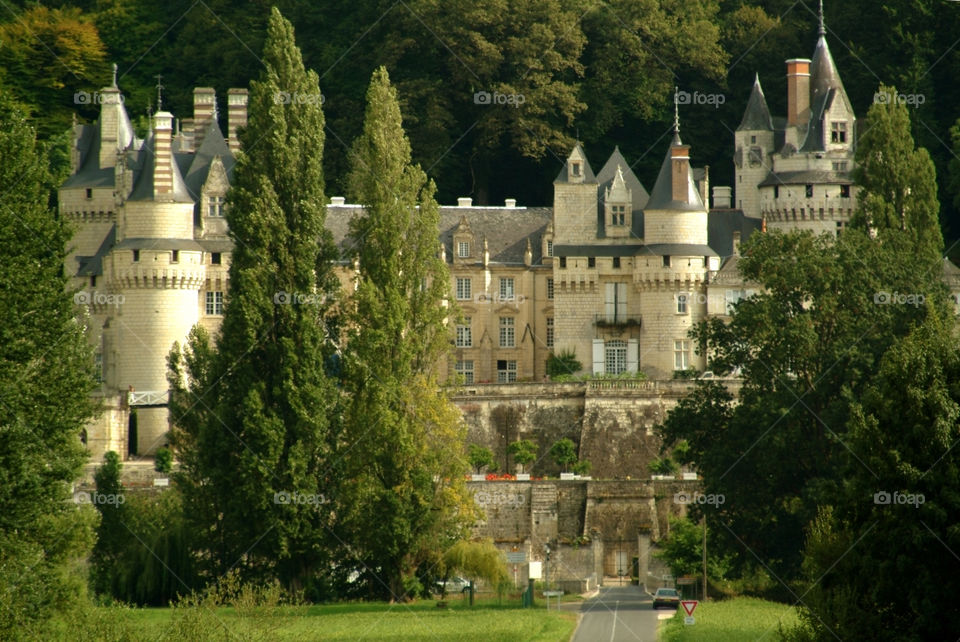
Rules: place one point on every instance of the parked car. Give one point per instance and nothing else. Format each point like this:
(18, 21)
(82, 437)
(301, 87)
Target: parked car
(666, 597)
(453, 585)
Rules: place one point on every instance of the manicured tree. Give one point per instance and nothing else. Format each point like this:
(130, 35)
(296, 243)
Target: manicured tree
(259, 412)
(111, 533)
(404, 474)
(524, 452)
(564, 453)
(46, 377)
(480, 457)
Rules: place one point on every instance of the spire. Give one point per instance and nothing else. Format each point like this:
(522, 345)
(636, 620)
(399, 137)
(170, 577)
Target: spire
(757, 114)
(676, 116)
(114, 83)
(823, 29)
(159, 93)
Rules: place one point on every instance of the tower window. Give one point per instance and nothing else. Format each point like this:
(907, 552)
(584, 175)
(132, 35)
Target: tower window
(616, 262)
(549, 332)
(753, 140)
(216, 258)
(136, 255)
(563, 261)
(681, 304)
(89, 193)
(666, 260)
(550, 288)
(809, 191)
(549, 248)
(844, 191)
(591, 262)
(93, 280)
(776, 191)
(838, 132)
(175, 256)
(575, 169)
(214, 302)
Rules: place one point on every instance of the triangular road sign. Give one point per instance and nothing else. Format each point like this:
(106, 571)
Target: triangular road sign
(689, 606)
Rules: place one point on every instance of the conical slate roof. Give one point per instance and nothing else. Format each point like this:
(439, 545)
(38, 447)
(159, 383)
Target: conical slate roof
(757, 114)
(661, 198)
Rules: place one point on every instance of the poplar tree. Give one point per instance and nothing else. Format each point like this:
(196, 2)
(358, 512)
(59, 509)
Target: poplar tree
(254, 416)
(404, 478)
(46, 377)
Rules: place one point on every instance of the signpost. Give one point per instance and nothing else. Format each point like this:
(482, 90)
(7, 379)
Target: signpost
(689, 606)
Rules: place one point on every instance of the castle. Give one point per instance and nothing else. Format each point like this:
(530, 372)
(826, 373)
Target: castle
(611, 272)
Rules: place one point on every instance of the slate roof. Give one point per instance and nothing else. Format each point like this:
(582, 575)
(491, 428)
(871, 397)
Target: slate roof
(757, 114)
(637, 191)
(506, 230)
(806, 177)
(90, 174)
(661, 198)
(825, 88)
(588, 175)
(721, 224)
(143, 188)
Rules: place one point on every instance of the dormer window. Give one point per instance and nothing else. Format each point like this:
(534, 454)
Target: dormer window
(618, 214)
(463, 249)
(215, 206)
(838, 132)
(575, 169)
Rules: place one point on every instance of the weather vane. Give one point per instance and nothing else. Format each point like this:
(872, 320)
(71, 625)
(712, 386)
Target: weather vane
(159, 77)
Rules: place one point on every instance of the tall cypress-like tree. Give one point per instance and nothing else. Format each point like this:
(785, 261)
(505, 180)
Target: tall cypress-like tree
(405, 472)
(258, 412)
(46, 377)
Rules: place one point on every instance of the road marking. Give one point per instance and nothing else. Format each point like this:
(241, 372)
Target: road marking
(613, 631)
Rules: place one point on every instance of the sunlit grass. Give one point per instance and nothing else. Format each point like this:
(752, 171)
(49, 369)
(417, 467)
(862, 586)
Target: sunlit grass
(734, 620)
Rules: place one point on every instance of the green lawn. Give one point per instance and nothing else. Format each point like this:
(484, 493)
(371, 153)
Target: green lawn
(736, 620)
(361, 621)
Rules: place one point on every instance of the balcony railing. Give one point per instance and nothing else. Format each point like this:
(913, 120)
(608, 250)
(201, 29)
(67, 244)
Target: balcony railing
(148, 398)
(616, 321)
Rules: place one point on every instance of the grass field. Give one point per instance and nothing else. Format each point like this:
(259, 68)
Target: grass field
(737, 620)
(421, 620)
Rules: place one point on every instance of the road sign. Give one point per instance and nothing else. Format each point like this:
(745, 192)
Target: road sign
(536, 570)
(689, 606)
(516, 558)
(689, 620)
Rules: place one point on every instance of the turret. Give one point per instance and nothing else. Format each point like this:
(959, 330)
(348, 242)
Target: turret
(754, 143)
(575, 200)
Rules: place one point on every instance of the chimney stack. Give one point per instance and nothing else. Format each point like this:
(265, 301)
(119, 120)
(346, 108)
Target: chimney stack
(464, 201)
(204, 112)
(722, 197)
(680, 164)
(798, 91)
(236, 116)
(162, 155)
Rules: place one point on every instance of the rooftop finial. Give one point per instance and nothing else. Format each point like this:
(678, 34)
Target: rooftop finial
(823, 28)
(159, 92)
(676, 110)
(114, 75)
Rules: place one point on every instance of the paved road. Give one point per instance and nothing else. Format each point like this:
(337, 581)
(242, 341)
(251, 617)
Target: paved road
(619, 614)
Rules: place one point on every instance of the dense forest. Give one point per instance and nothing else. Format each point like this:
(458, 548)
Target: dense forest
(603, 71)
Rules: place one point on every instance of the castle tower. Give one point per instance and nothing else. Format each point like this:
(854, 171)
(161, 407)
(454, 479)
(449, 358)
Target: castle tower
(807, 184)
(670, 274)
(754, 145)
(575, 200)
(157, 271)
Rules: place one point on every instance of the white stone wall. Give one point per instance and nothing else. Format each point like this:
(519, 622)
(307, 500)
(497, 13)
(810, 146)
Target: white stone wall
(748, 177)
(574, 213)
(146, 219)
(670, 226)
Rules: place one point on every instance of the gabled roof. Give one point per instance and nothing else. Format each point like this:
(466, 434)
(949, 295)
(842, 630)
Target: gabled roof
(213, 145)
(588, 175)
(757, 114)
(638, 192)
(661, 198)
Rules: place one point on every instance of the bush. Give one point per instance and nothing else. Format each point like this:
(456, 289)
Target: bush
(163, 462)
(563, 364)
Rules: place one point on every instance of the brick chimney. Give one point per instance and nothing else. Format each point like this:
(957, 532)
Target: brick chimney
(680, 166)
(162, 155)
(798, 91)
(236, 116)
(204, 111)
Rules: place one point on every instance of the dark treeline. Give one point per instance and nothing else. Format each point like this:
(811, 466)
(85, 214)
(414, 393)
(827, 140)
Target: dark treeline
(601, 70)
